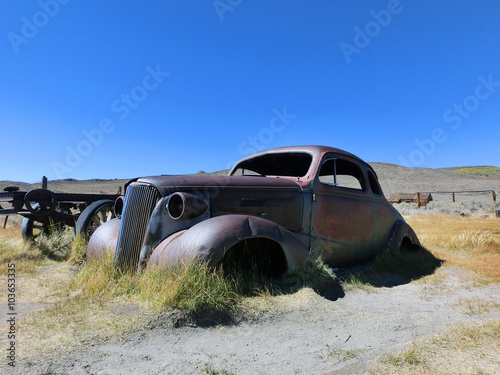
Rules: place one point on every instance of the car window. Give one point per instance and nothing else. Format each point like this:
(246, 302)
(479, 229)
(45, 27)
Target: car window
(374, 185)
(341, 173)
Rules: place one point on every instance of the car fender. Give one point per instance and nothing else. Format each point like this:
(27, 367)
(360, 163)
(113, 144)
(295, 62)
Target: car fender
(209, 240)
(401, 230)
(104, 239)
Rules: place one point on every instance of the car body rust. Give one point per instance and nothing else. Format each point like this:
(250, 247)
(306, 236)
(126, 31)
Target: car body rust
(299, 201)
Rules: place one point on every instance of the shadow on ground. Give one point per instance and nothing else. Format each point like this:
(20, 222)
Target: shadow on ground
(393, 269)
(387, 270)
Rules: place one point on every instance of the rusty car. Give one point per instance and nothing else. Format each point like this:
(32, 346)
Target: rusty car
(282, 205)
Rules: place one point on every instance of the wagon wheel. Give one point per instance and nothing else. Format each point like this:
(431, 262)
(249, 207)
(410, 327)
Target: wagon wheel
(94, 216)
(32, 229)
(46, 201)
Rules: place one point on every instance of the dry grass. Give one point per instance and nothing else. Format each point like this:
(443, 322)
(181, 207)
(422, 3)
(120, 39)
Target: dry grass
(83, 303)
(471, 244)
(27, 256)
(477, 306)
(467, 349)
(466, 242)
(341, 354)
(13, 250)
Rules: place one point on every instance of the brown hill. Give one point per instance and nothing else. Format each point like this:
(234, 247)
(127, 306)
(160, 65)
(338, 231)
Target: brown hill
(393, 179)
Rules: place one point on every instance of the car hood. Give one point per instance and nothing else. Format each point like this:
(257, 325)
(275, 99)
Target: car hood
(170, 184)
(276, 199)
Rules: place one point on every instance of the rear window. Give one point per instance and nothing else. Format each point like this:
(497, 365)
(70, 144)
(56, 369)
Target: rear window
(374, 185)
(342, 173)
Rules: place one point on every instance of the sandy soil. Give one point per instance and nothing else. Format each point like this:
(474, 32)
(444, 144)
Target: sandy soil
(304, 333)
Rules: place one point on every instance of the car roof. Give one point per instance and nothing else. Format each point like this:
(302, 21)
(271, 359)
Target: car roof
(316, 151)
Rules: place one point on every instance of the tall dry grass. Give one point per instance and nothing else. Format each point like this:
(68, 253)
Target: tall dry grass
(189, 287)
(466, 242)
(467, 349)
(27, 256)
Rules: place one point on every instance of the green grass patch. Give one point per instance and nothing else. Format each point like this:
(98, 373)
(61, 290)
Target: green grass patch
(479, 171)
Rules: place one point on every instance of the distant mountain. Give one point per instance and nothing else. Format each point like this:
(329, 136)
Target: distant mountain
(393, 178)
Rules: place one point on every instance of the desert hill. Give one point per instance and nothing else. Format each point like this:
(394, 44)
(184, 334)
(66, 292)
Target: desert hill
(393, 178)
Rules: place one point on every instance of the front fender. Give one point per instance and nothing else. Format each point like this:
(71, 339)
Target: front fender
(209, 240)
(104, 239)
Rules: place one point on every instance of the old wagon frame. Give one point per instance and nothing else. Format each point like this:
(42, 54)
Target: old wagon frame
(45, 211)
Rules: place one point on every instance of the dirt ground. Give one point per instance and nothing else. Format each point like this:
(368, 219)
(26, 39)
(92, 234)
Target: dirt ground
(344, 332)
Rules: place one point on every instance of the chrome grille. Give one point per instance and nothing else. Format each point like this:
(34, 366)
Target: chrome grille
(140, 200)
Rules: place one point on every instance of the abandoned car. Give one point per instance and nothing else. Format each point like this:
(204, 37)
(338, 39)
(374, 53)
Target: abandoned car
(282, 205)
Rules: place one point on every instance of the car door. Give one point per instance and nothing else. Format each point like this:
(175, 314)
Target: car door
(342, 212)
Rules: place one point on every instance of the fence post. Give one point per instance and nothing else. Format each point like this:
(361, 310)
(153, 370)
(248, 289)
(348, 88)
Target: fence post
(418, 200)
(494, 196)
(453, 197)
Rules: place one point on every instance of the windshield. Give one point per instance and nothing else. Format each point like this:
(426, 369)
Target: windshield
(290, 164)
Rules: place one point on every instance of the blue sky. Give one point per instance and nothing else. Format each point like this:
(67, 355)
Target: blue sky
(118, 89)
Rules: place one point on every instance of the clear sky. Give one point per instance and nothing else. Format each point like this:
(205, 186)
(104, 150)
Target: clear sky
(119, 89)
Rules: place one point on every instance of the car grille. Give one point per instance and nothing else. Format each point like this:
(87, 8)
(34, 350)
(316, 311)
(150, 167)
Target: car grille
(140, 200)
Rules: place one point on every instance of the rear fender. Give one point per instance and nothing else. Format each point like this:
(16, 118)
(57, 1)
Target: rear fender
(209, 240)
(401, 234)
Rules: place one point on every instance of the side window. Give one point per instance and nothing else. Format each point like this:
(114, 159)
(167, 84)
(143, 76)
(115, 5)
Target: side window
(342, 173)
(374, 185)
